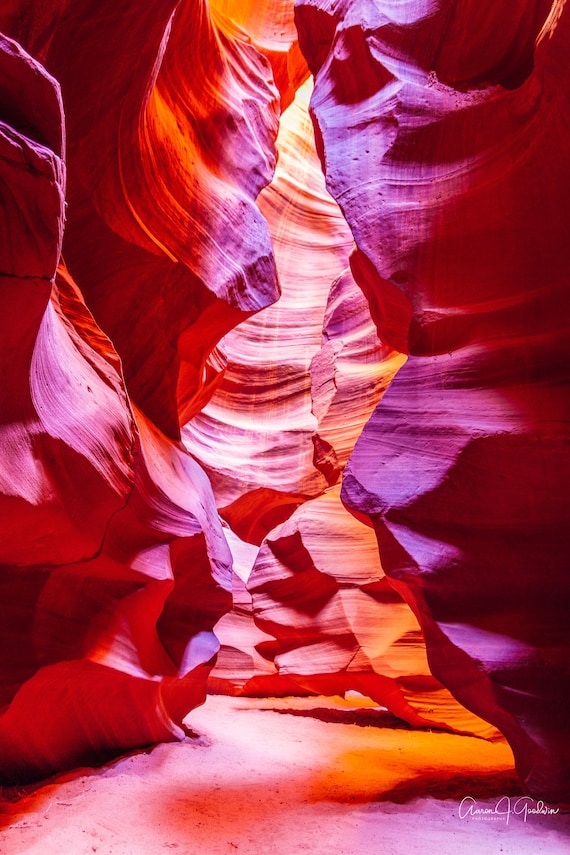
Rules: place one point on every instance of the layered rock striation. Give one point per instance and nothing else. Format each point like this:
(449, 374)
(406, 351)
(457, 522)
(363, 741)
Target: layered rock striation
(115, 568)
(443, 136)
(149, 383)
(170, 124)
(303, 377)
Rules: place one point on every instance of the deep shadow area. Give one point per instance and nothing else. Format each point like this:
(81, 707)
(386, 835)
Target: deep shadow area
(359, 717)
(484, 785)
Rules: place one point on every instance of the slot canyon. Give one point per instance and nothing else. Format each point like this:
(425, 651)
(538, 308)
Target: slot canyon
(284, 418)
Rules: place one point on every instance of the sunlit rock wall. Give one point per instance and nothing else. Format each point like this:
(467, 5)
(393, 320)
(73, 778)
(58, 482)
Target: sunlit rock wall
(274, 432)
(270, 26)
(302, 378)
(443, 133)
(170, 128)
(140, 261)
(115, 567)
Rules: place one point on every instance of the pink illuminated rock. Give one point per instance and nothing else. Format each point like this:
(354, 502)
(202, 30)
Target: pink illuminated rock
(443, 134)
(328, 369)
(349, 373)
(47, 518)
(166, 154)
(114, 565)
(113, 652)
(258, 429)
(271, 28)
(318, 589)
(244, 665)
(302, 375)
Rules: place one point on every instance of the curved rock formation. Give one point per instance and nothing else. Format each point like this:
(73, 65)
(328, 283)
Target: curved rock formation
(302, 375)
(318, 588)
(115, 650)
(271, 28)
(441, 129)
(244, 665)
(114, 565)
(171, 125)
(443, 134)
(321, 626)
(259, 427)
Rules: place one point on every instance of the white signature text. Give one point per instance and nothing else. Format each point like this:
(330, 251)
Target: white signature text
(506, 807)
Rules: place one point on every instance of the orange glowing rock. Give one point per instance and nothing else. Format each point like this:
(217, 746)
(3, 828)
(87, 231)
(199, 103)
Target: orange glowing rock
(271, 28)
(166, 154)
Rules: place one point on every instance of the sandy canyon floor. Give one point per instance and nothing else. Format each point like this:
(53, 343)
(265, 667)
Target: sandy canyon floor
(289, 776)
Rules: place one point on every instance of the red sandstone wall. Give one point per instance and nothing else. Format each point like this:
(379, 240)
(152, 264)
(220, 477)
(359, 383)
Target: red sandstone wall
(443, 135)
(142, 152)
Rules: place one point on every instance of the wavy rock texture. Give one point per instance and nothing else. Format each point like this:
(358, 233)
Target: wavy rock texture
(327, 621)
(441, 129)
(244, 665)
(115, 650)
(271, 28)
(443, 133)
(320, 629)
(318, 588)
(114, 564)
(302, 375)
(259, 426)
(171, 124)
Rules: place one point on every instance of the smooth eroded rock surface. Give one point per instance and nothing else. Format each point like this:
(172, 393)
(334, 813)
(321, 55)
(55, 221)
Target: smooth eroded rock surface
(153, 204)
(114, 565)
(443, 136)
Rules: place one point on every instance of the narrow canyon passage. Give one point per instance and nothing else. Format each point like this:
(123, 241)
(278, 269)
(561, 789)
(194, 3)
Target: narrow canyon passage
(284, 418)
